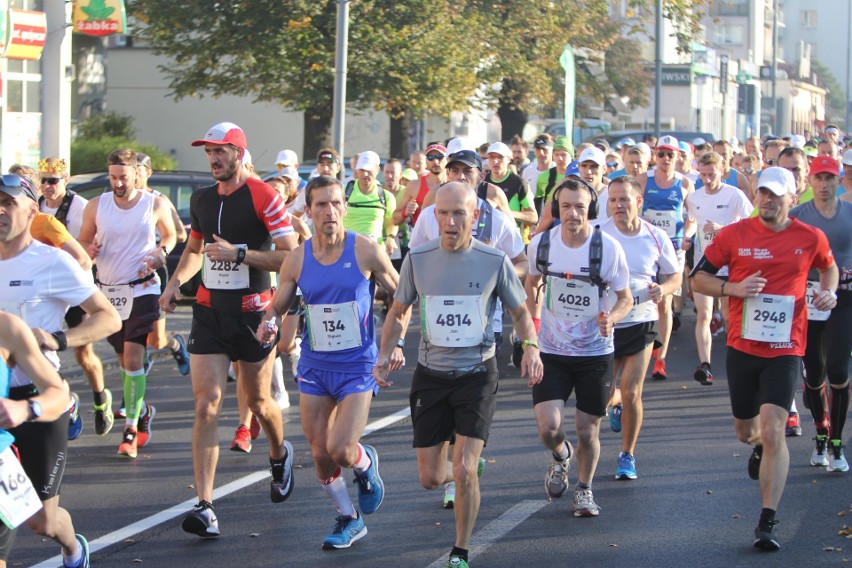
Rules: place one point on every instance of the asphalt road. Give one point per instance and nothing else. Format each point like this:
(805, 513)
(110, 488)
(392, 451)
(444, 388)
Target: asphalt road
(693, 503)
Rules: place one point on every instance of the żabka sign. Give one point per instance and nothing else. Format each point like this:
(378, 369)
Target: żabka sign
(27, 34)
(100, 17)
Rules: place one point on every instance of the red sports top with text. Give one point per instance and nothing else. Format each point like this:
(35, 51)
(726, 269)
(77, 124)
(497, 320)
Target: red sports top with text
(783, 258)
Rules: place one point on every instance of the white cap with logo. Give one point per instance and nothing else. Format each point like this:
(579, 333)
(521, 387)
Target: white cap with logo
(777, 180)
(592, 154)
(286, 158)
(368, 160)
(500, 148)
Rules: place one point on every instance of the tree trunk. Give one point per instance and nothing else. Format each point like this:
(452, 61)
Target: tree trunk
(512, 119)
(317, 131)
(400, 134)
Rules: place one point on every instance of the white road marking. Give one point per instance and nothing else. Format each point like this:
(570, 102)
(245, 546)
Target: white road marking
(181, 508)
(498, 528)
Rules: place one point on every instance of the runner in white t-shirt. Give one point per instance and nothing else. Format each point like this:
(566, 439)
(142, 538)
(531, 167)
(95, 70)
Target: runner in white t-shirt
(654, 273)
(709, 209)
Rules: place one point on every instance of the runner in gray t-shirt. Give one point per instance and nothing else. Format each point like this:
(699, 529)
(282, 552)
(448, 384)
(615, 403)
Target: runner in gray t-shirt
(453, 391)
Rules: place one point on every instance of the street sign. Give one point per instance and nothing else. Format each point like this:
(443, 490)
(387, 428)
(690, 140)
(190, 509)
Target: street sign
(723, 74)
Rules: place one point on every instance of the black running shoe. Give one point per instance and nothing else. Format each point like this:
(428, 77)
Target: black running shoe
(765, 537)
(282, 476)
(703, 375)
(201, 521)
(754, 462)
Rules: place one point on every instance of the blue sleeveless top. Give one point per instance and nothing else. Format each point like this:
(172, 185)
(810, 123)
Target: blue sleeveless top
(338, 283)
(6, 438)
(670, 199)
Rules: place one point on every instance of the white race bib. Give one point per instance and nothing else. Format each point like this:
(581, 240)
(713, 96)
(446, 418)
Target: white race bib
(454, 321)
(573, 300)
(768, 318)
(121, 298)
(814, 314)
(18, 498)
(642, 303)
(665, 220)
(221, 275)
(333, 327)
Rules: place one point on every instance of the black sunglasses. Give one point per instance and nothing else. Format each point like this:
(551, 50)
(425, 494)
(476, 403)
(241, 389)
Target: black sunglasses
(771, 162)
(662, 154)
(12, 180)
(434, 157)
(50, 181)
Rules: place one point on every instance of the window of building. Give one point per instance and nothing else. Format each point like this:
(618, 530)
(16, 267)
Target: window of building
(731, 34)
(809, 18)
(729, 8)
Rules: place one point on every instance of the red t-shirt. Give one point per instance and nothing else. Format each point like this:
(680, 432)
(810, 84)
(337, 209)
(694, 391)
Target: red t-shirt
(784, 259)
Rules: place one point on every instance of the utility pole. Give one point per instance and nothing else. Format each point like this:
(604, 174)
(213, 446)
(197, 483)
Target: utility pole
(658, 87)
(775, 67)
(340, 58)
(848, 62)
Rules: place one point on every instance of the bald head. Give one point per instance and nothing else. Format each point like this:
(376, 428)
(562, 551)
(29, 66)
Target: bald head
(457, 191)
(456, 210)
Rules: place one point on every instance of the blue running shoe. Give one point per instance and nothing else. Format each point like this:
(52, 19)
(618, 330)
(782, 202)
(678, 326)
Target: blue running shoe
(181, 355)
(346, 531)
(371, 489)
(615, 417)
(75, 423)
(84, 544)
(626, 466)
(147, 361)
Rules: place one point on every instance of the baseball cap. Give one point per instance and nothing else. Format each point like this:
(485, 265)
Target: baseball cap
(408, 174)
(17, 186)
(500, 148)
(797, 141)
(368, 160)
(542, 141)
(144, 160)
(669, 142)
(247, 158)
(847, 158)
(562, 143)
(810, 151)
(592, 154)
(685, 147)
(466, 157)
(832, 130)
(825, 164)
(573, 169)
(437, 148)
(777, 180)
(696, 141)
(625, 142)
(290, 172)
(645, 148)
(224, 133)
(325, 155)
(286, 158)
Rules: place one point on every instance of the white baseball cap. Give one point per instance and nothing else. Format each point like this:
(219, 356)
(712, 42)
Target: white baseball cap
(777, 180)
(500, 148)
(290, 172)
(669, 142)
(457, 145)
(645, 148)
(847, 158)
(247, 158)
(592, 154)
(287, 158)
(368, 160)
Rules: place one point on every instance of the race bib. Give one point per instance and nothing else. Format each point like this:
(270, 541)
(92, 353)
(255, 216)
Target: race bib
(573, 300)
(454, 321)
(814, 314)
(642, 304)
(18, 498)
(222, 275)
(333, 327)
(665, 220)
(768, 318)
(121, 298)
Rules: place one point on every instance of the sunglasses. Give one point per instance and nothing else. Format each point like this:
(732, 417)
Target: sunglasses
(612, 165)
(50, 181)
(770, 162)
(12, 180)
(662, 154)
(434, 157)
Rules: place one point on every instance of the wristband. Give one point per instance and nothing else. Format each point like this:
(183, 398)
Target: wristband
(532, 343)
(61, 340)
(165, 250)
(537, 324)
(241, 255)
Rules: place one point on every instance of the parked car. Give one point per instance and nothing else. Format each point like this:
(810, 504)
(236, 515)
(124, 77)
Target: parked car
(177, 186)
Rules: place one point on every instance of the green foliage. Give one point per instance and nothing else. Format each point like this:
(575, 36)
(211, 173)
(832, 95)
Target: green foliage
(90, 154)
(106, 124)
(835, 108)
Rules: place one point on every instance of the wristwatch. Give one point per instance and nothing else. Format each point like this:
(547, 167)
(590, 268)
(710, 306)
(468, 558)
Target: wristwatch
(241, 255)
(400, 343)
(34, 410)
(61, 340)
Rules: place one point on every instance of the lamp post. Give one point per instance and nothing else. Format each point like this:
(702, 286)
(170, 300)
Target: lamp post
(658, 87)
(338, 127)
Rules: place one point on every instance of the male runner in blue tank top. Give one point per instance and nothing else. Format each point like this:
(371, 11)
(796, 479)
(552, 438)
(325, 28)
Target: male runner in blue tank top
(664, 193)
(335, 271)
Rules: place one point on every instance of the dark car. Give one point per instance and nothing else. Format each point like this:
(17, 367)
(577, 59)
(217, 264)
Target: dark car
(177, 186)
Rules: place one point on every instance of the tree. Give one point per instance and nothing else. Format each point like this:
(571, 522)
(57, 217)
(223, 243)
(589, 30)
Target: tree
(835, 106)
(101, 134)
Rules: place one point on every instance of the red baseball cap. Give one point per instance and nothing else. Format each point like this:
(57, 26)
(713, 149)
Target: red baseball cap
(437, 148)
(224, 133)
(824, 164)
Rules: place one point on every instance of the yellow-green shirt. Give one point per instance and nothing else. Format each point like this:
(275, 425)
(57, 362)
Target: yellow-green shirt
(366, 213)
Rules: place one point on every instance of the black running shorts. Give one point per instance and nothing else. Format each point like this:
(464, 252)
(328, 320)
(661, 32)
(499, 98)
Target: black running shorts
(135, 329)
(230, 333)
(442, 406)
(635, 338)
(754, 381)
(591, 377)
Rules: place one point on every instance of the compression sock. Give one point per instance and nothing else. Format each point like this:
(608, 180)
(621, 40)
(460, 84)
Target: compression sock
(839, 408)
(100, 397)
(363, 463)
(335, 487)
(76, 558)
(460, 552)
(134, 395)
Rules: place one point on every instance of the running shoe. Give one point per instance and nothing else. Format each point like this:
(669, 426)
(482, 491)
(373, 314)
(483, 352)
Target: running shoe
(279, 394)
(819, 457)
(371, 488)
(498, 342)
(703, 375)
(242, 440)
(122, 410)
(104, 418)
(75, 422)
(84, 545)
(765, 537)
(254, 427)
(517, 351)
(145, 431)
(556, 480)
(675, 321)
(716, 323)
(659, 373)
(615, 417)
(457, 562)
(147, 361)
(128, 446)
(626, 466)
(201, 520)
(584, 503)
(346, 531)
(449, 495)
(282, 476)
(754, 462)
(793, 428)
(837, 461)
(181, 355)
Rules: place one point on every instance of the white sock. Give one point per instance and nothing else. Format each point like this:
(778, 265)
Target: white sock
(793, 406)
(336, 489)
(363, 462)
(76, 558)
